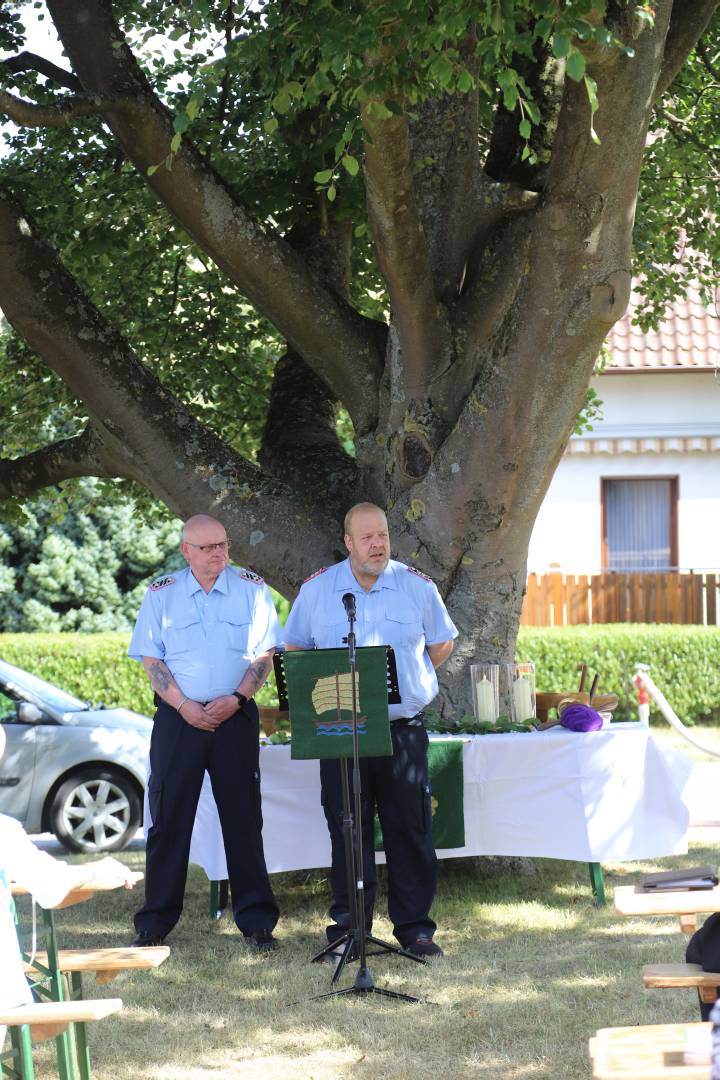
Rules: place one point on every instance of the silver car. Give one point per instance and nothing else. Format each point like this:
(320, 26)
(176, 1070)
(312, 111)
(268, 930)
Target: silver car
(69, 767)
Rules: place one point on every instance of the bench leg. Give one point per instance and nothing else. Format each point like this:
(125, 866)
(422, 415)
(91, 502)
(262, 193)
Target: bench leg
(82, 1051)
(218, 899)
(21, 1055)
(598, 883)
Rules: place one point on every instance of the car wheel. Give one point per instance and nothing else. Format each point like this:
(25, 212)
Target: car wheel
(95, 810)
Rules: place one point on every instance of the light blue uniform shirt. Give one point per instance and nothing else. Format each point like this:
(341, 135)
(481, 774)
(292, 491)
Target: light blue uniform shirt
(403, 609)
(207, 640)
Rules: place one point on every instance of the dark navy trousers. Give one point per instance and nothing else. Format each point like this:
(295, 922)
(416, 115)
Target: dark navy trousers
(179, 756)
(398, 785)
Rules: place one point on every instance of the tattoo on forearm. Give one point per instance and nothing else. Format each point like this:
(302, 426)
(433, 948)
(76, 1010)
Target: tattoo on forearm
(160, 677)
(258, 673)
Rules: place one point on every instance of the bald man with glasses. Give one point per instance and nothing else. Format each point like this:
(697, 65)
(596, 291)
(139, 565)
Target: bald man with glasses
(206, 637)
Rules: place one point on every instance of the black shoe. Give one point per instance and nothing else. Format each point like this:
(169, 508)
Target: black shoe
(146, 940)
(423, 945)
(262, 940)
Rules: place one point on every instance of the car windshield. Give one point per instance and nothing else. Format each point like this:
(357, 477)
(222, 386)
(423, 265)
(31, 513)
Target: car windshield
(23, 683)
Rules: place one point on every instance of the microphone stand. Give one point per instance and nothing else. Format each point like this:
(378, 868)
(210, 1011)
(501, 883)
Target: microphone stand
(355, 938)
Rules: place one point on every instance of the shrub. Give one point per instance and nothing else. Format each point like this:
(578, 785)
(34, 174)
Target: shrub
(684, 662)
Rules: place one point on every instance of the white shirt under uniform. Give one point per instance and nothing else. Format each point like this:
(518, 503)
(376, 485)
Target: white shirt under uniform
(403, 609)
(207, 640)
(48, 880)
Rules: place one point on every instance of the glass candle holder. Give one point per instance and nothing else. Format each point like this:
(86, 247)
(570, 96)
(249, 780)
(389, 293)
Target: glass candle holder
(522, 691)
(484, 681)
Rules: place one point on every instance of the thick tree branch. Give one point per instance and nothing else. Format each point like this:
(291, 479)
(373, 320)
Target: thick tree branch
(340, 345)
(688, 23)
(704, 56)
(78, 456)
(446, 172)
(142, 431)
(60, 113)
(300, 443)
(401, 246)
(29, 61)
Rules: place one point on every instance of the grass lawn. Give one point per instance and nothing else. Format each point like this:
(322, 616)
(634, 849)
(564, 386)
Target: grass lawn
(531, 970)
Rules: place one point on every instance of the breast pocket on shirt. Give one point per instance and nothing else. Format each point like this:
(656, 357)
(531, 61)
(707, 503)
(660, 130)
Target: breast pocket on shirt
(403, 623)
(235, 630)
(329, 633)
(182, 634)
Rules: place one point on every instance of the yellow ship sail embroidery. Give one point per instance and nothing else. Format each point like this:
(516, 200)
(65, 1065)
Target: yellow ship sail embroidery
(333, 694)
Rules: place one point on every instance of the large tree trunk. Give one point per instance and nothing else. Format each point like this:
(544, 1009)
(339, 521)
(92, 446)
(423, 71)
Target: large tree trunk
(501, 294)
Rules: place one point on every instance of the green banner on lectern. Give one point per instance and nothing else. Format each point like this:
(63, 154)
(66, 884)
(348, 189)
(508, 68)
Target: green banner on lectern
(319, 688)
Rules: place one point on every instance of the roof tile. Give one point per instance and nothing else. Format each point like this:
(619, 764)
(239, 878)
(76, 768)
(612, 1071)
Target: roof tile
(688, 338)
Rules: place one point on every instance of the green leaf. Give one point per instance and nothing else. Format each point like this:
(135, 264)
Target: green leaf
(561, 45)
(331, 193)
(175, 142)
(351, 164)
(294, 89)
(525, 128)
(193, 106)
(379, 110)
(181, 122)
(152, 169)
(271, 125)
(591, 87)
(464, 83)
(323, 176)
(575, 65)
(281, 102)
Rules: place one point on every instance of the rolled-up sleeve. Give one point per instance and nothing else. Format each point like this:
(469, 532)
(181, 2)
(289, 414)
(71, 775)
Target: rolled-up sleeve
(267, 633)
(437, 623)
(147, 635)
(298, 630)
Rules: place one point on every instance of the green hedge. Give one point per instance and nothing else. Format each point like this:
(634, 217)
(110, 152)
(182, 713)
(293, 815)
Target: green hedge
(683, 660)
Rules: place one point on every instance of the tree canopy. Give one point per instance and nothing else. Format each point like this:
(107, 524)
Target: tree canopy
(267, 260)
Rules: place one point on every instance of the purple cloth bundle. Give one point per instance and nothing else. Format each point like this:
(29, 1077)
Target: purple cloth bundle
(578, 717)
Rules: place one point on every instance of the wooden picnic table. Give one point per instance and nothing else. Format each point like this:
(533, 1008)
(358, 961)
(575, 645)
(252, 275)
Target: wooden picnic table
(47, 977)
(652, 1052)
(687, 904)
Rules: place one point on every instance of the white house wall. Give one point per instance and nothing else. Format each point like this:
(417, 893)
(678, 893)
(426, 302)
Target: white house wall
(639, 410)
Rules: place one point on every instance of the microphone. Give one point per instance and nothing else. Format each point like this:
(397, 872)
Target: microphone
(349, 604)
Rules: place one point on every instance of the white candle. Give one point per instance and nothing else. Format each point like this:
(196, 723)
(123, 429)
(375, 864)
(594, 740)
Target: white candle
(485, 700)
(522, 699)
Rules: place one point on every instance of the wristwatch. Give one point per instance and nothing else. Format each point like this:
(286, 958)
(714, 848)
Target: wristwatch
(242, 700)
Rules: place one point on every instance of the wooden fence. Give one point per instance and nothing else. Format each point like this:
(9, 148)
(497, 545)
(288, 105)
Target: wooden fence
(674, 597)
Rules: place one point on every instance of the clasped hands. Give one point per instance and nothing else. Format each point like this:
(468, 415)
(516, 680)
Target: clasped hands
(209, 717)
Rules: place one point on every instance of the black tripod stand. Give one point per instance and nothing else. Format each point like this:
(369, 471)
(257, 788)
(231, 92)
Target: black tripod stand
(353, 942)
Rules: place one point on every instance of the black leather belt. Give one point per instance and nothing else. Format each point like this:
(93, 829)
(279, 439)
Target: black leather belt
(409, 721)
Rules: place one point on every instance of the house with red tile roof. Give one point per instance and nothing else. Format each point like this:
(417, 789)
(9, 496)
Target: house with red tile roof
(641, 490)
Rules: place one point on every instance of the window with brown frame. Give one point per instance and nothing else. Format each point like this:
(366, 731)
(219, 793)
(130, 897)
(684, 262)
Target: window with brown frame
(639, 523)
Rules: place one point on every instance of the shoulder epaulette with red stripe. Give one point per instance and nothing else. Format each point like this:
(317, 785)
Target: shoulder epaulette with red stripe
(419, 573)
(317, 573)
(162, 583)
(250, 575)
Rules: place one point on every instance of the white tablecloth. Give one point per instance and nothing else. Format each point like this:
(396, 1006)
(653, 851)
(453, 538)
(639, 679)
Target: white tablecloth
(600, 796)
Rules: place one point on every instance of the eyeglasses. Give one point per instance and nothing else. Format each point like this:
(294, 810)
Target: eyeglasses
(207, 548)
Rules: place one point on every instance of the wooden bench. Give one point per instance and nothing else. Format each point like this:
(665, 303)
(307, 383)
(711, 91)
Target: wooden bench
(632, 900)
(667, 976)
(47, 1020)
(107, 964)
(652, 1052)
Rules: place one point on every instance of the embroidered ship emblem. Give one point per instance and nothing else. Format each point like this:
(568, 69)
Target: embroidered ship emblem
(333, 694)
